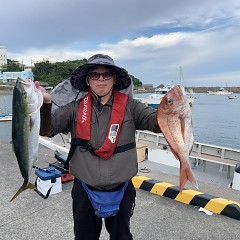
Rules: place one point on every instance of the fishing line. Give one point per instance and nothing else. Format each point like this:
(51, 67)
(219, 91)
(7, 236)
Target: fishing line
(56, 104)
(75, 99)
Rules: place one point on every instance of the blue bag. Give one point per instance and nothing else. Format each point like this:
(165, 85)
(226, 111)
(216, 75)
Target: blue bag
(105, 204)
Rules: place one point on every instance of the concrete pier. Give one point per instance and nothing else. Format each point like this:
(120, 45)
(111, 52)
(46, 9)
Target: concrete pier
(155, 217)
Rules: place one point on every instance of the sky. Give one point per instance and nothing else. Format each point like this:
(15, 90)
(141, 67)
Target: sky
(151, 39)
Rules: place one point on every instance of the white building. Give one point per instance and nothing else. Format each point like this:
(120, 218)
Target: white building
(11, 77)
(3, 55)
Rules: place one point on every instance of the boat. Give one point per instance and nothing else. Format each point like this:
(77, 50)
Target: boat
(163, 90)
(232, 97)
(5, 117)
(153, 100)
(190, 92)
(191, 100)
(221, 91)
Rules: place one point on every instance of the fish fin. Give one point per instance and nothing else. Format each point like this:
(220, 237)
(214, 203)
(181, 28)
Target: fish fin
(23, 188)
(186, 174)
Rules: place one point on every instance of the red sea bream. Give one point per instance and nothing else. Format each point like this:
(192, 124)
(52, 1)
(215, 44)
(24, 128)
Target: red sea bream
(175, 121)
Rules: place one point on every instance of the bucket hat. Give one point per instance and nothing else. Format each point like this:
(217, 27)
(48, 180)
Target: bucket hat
(78, 76)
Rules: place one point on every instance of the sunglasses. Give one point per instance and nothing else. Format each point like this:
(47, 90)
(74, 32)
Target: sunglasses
(96, 75)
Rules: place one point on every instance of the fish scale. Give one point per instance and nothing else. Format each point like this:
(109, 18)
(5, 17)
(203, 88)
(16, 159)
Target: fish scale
(27, 101)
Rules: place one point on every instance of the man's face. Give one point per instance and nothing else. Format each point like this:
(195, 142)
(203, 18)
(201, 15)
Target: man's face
(101, 80)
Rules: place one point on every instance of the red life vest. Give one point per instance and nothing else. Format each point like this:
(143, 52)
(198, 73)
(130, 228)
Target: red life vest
(83, 130)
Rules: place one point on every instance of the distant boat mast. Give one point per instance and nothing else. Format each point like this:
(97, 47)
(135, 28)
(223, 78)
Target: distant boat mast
(181, 75)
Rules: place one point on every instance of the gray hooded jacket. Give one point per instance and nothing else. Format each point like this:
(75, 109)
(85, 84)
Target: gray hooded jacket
(91, 169)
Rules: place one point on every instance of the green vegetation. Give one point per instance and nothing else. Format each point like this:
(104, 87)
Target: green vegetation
(52, 73)
(11, 66)
(136, 82)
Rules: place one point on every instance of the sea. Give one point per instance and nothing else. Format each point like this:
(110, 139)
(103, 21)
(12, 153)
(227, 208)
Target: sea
(216, 119)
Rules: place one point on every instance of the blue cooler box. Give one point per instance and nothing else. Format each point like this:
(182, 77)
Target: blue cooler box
(48, 181)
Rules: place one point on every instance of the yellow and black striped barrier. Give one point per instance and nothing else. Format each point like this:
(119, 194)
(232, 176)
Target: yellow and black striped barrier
(214, 204)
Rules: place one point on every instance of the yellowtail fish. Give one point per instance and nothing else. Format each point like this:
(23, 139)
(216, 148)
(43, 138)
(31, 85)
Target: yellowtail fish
(175, 120)
(26, 104)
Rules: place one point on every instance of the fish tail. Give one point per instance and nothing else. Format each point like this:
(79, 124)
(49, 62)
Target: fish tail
(23, 188)
(186, 174)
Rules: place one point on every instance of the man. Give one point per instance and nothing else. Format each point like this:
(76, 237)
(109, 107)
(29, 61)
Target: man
(103, 156)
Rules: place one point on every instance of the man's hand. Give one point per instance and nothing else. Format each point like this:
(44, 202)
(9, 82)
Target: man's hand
(46, 96)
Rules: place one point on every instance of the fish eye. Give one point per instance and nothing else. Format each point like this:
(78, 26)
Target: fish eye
(169, 101)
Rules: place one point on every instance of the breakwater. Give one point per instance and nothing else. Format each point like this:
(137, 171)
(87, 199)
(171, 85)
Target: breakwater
(195, 89)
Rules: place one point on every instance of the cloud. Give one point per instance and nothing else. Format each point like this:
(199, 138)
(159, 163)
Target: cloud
(150, 40)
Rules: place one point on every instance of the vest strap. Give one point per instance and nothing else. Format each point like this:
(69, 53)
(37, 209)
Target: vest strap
(125, 147)
(83, 127)
(86, 145)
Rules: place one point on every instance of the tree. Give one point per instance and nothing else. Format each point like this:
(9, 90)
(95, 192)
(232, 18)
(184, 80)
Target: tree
(136, 81)
(53, 73)
(12, 66)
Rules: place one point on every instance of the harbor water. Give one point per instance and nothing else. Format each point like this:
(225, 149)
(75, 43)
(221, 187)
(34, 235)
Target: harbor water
(216, 119)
